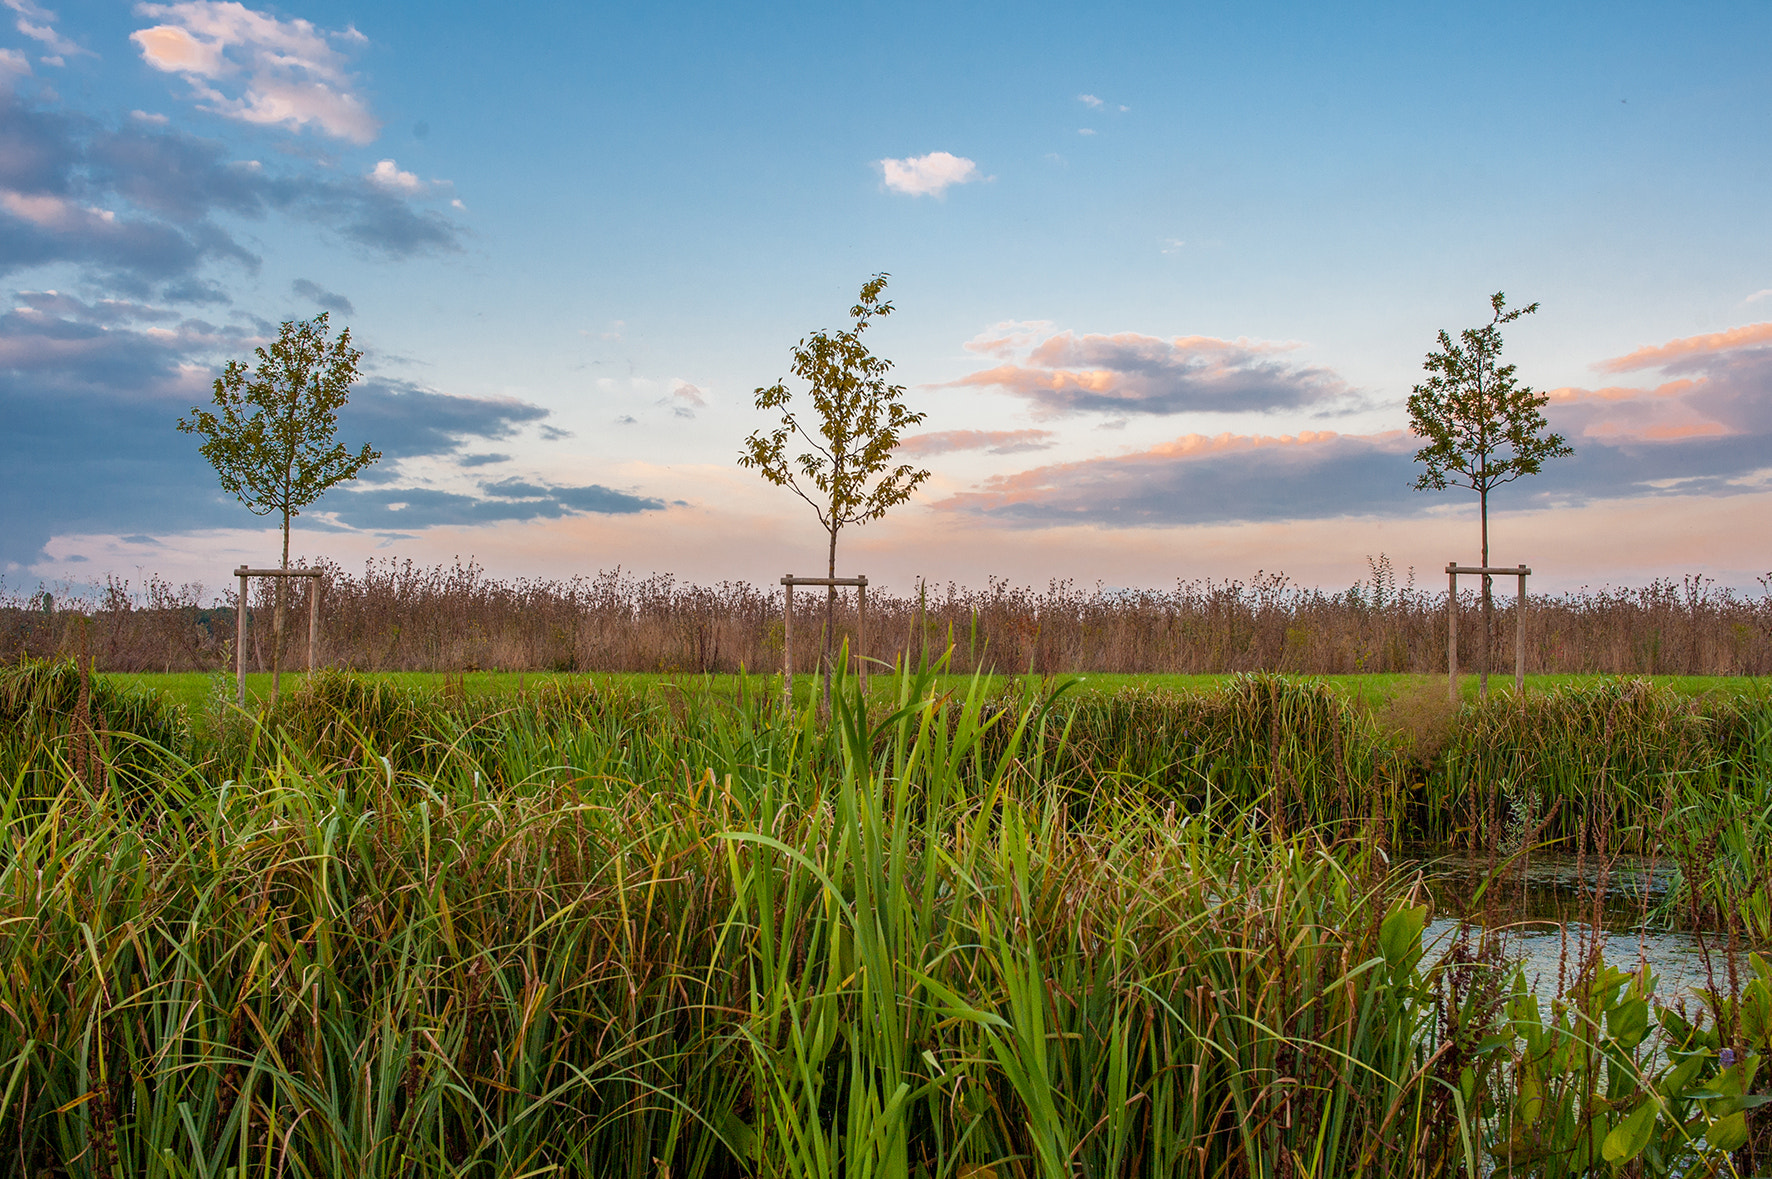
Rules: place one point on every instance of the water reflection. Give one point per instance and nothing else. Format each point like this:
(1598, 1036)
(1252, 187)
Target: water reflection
(1551, 906)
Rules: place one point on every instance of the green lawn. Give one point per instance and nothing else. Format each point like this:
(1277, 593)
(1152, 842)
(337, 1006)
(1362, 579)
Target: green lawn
(193, 688)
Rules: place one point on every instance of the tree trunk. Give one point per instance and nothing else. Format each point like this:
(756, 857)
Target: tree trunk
(830, 617)
(1483, 651)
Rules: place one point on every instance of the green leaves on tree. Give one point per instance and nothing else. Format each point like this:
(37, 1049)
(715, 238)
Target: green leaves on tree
(846, 472)
(271, 431)
(1482, 427)
(844, 469)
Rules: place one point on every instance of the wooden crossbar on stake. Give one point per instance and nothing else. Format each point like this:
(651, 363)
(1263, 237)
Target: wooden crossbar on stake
(243, 572)
(787, 627)
(1453, 569)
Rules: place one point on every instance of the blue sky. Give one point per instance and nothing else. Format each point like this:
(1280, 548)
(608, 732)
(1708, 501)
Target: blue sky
(1163, 277)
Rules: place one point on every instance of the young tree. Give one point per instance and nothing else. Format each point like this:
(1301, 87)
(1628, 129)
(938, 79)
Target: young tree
(1482, 428)
(271, 434)
(846, 473)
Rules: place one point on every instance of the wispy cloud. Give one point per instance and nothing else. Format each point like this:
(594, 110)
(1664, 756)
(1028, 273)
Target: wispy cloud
(1126, 372)
(321, 297)
(502, 502)
(139, 206)
(993, 441)
(38, 23)
(685, 399)
(929, 175)
(1197, 479)
(1758, 295)
(1662, 355)
(257, 68)
(1095, 103)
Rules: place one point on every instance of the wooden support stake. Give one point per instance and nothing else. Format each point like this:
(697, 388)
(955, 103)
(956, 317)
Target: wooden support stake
(240, 640)
(787, 643)
(1453, 569)
(1520, 638)
(246, 571)
(1452, 634)
(787, 629)
(861, 633)
(313, 621)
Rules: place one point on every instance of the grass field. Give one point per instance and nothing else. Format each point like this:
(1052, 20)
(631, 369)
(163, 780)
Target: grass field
(193, 689)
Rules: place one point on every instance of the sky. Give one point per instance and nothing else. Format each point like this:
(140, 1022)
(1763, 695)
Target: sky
(1163, 278)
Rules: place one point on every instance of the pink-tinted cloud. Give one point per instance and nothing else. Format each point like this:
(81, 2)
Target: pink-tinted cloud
(1661, 355)
(993, 441)
(1127, 372)
(1724, 388)
(1664, 412)
(276, 72)
(1197, 479)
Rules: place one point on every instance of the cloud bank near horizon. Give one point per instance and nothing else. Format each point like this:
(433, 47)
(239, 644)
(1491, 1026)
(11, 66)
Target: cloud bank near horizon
(90, 392)
(1707, 431)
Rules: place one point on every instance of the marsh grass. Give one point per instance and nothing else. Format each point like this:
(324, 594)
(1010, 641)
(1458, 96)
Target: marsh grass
(592, 936)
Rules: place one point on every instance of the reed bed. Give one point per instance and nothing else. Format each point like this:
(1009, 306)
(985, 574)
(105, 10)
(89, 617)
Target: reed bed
(1599, 767)
(402, 617)
(599, 936)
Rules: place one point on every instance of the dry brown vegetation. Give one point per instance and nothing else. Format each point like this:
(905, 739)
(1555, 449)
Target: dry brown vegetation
(398, 616)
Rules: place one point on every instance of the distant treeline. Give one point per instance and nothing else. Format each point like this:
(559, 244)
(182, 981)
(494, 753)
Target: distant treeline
(398, 616)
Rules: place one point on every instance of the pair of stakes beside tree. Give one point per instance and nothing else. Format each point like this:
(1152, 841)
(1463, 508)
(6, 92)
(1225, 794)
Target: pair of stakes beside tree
(271, 437)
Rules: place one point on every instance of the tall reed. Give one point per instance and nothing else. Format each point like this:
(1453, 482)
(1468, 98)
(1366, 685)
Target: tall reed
(400, 616)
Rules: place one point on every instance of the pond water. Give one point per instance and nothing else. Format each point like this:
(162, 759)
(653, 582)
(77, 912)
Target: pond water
(1545, 907)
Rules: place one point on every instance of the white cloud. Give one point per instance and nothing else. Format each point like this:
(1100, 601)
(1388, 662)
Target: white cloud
(12, 62)
(928, 175)
(145, 117)
(387, 174)
(1090, 101)
(1758, 295)
(280, 72)
(1085, 131)
(38, 23)
(1172, 245)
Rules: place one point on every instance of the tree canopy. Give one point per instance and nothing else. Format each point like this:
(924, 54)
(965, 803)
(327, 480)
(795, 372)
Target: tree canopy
(271, 433)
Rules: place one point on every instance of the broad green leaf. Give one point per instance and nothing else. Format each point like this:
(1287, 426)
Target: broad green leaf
(1629, 1137)
(1399, 938)
(1628, 1023)
(1728, 1133)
